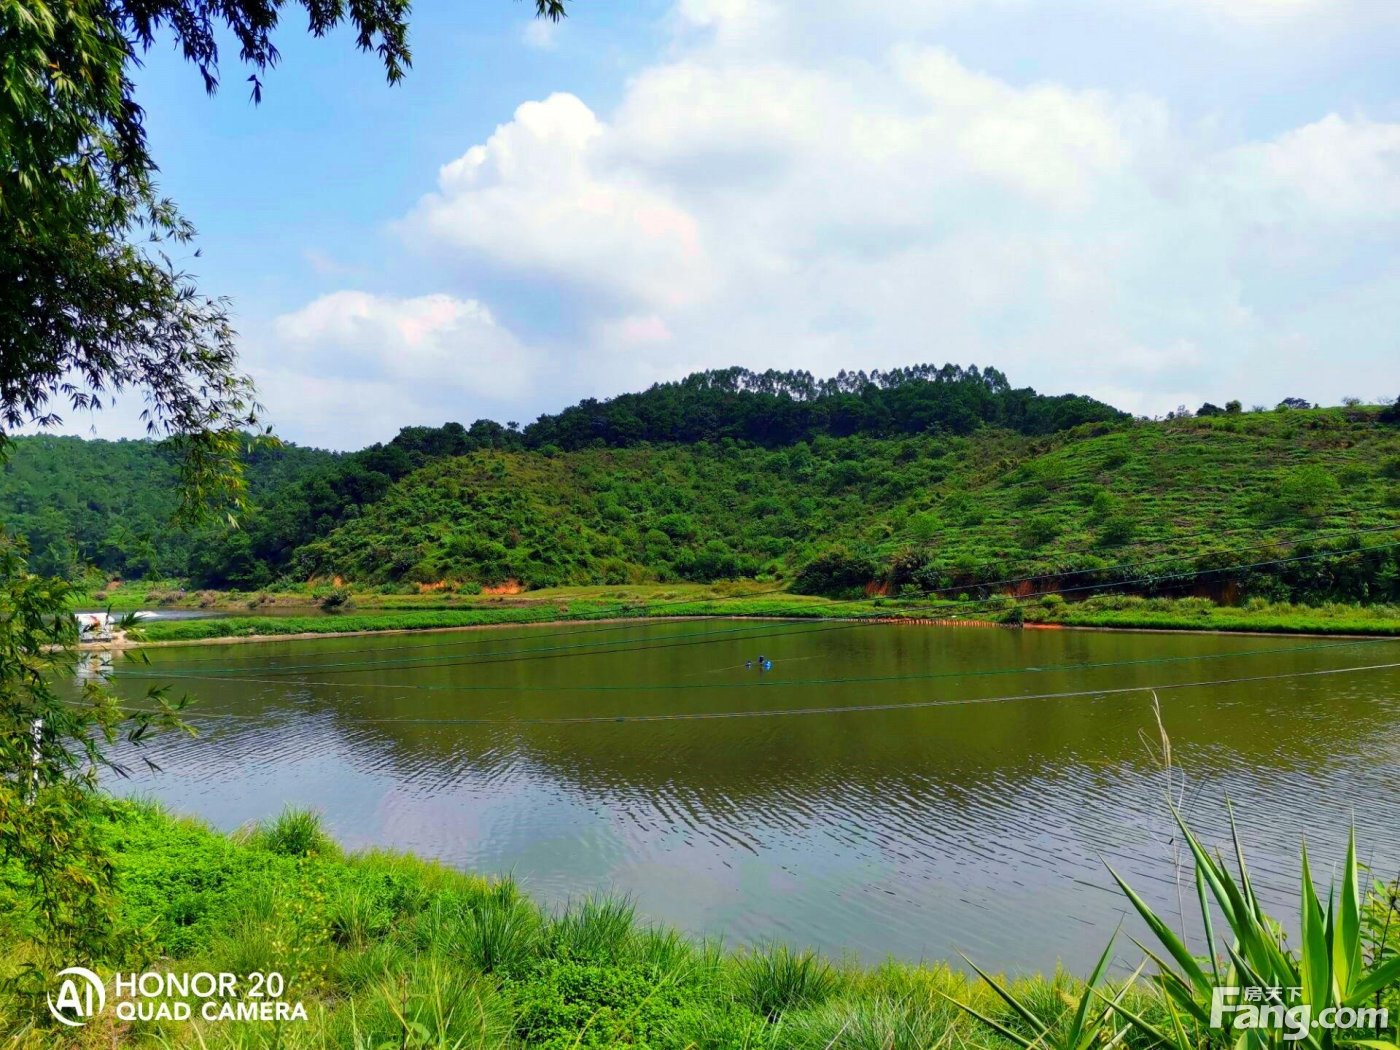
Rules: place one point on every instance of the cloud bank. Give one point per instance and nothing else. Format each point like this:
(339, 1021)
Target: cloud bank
(817, 188)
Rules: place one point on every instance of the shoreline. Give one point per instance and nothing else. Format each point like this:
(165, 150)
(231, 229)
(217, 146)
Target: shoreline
(122, 643)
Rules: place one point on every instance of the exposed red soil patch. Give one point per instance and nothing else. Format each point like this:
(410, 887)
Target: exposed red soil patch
(506, 587)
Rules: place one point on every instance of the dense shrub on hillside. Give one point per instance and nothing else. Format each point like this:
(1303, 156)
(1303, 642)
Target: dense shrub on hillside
(1310, 491)
(1161, 507)
(620, 516)
(836, 571)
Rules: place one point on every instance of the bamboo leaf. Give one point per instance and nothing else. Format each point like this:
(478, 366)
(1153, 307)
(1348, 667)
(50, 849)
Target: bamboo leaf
(1077, 1027)
(1245, 884)
(1346, 946)
(1384, 975)
(997, 1026)
(1175, 986)
(1143, 1025)
(1208, 923)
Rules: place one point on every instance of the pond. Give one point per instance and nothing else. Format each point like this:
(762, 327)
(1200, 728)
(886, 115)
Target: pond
(962, 802)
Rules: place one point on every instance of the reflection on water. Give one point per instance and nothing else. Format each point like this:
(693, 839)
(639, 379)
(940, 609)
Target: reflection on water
(980, 826)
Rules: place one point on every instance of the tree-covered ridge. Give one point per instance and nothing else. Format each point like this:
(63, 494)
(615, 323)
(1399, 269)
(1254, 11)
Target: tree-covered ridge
(772, 409)
(949, 479)
(779, 408)
(927, 513)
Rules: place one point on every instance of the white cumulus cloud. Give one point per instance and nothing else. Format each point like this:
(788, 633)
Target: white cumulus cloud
(355, 363)
(542, 194)
(755, 198)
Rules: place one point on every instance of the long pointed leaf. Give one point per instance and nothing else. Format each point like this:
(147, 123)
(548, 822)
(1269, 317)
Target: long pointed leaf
(1346, 946)
(1077, 1027)
(1169, 940)
(1209, 868)
(1175, 986)
(1382, 976)
(1316, 959)
(1085, 1040)
(997, 1026)
(1010, 1000)
(1138, 1022)
(1245, 882)
(1211, 952)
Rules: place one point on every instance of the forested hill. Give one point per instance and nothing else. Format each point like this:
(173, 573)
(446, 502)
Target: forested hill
(924, 477)
(1174, 501)
(108, 503)
(80, 502)
(779, 408)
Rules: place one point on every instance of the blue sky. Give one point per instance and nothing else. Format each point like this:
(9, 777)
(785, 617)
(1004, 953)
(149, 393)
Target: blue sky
(1153, 201)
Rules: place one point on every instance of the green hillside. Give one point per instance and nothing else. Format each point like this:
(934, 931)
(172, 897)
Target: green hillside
(1161, 505)
(772, 410)
(917, 481)
(109, 504)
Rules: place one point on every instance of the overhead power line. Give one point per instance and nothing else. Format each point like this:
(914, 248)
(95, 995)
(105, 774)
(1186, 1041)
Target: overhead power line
(701, 716)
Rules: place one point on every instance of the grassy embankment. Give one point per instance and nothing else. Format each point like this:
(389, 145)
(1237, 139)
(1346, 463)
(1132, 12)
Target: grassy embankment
(386, 950)
(374, 612)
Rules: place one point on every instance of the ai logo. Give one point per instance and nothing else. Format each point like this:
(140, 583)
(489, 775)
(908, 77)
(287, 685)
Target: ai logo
(81, 997)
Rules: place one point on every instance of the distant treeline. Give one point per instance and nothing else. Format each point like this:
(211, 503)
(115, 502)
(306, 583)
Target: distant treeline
(78, 503)
(779, 408)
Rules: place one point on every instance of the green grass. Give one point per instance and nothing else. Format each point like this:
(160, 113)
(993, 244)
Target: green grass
(388, 950)
(1103, 611)
(385, 949)
(775, 981)
(1200, 614)
(251, 626)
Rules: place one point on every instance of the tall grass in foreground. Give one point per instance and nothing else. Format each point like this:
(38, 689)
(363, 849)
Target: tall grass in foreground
(386, 950)
(1332, 967)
